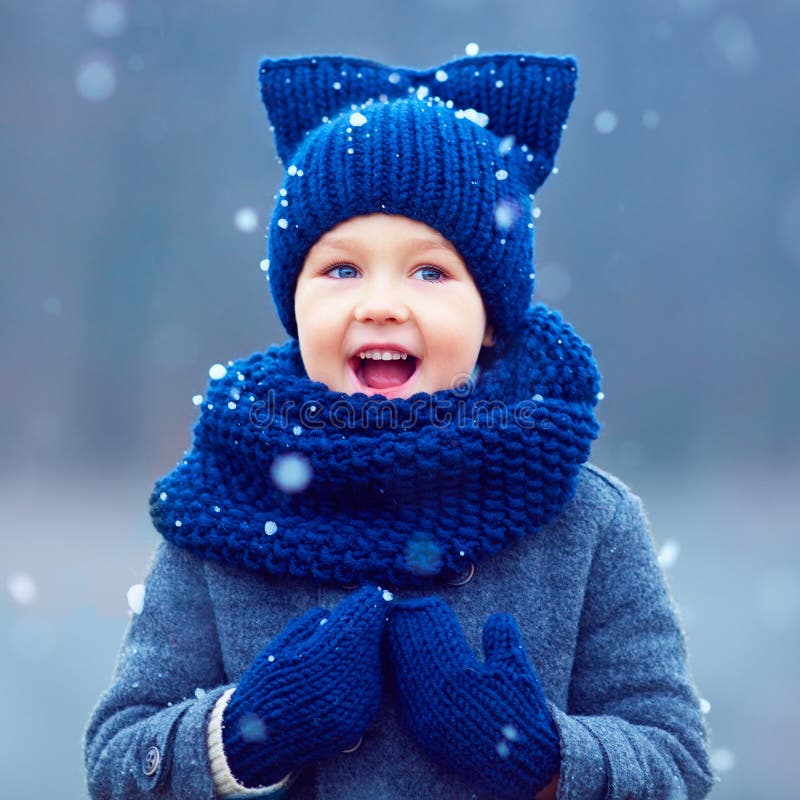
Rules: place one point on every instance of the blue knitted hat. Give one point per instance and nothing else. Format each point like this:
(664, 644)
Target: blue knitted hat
(461, 147)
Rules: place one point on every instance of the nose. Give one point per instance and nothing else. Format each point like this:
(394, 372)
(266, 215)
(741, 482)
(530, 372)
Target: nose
(380, 301)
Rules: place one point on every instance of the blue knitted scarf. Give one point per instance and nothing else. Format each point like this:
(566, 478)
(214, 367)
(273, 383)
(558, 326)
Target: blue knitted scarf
(286, 477)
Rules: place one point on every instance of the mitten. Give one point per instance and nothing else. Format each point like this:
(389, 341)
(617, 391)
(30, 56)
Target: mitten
(310, 693)
(488, 721)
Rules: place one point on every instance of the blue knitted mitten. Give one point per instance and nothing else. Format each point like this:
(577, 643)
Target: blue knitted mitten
(488, 721)
(310, 693)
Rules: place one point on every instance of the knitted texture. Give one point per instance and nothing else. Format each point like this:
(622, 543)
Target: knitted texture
(462, 147)
(399, 492)
(489, 721)
(310, 693)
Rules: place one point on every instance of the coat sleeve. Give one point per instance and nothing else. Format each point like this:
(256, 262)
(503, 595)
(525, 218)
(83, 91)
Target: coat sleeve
(147, 735)
(633, 726)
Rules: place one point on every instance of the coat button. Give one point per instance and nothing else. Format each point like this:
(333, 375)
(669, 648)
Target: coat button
(355, 746)
(151, 761)
(464, 577)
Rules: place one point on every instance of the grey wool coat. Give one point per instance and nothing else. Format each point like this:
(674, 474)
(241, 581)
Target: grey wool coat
(597, 620)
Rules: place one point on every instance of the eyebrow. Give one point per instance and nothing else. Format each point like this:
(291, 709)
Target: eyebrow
(343, 242)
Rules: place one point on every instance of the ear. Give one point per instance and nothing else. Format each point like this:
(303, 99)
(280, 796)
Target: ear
(488, 336)
(523, 98)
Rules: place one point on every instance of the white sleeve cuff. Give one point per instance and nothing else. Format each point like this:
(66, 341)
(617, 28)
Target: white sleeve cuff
(224, 782)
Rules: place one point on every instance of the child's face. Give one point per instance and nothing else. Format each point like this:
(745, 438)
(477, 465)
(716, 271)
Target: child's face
(386, 282)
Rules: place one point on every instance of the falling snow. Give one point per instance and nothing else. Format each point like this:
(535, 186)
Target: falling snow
(605, 121)
(106, 18)
(505, 213)
(135, 598)
(722, 759)
(668, 553)
(554, 282)
(423, 555)
(472, 49)
(252, 728)
(506, 145)
(734, 41)
(651, 118)
(270, 527)
(246, 220)
(22, 588)
(217, 371)
(510, 732)
(96, 79)
(291, 473)
(473, 116)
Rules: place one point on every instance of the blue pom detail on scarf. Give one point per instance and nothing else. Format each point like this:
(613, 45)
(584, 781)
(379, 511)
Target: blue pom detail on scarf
(287, 477)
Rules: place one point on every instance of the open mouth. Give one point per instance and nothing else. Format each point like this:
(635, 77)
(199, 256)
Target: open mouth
(384, 376)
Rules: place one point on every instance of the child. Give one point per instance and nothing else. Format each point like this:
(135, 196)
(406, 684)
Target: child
(414, 459)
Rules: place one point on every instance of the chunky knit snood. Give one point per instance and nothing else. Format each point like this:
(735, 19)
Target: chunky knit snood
(287, 477)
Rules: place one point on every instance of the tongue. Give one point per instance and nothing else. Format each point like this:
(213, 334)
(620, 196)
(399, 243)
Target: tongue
(385, 374)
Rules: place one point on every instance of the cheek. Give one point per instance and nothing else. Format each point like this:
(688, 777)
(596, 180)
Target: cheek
(453, 351)
(459, 326)
(313, 312)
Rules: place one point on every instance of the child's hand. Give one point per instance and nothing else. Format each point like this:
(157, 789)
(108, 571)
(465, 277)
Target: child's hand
(488, 720)
(310, 693)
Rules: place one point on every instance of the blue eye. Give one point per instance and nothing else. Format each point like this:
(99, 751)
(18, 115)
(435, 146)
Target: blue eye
(439, 274)
(341, 266)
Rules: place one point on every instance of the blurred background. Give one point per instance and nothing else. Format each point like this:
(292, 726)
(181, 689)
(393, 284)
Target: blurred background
(139, 176)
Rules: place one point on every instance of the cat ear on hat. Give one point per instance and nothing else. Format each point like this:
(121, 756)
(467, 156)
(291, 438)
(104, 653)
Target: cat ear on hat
(302, 93)
(523, 99)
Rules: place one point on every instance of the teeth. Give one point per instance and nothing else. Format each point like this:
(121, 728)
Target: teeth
(383, 355)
